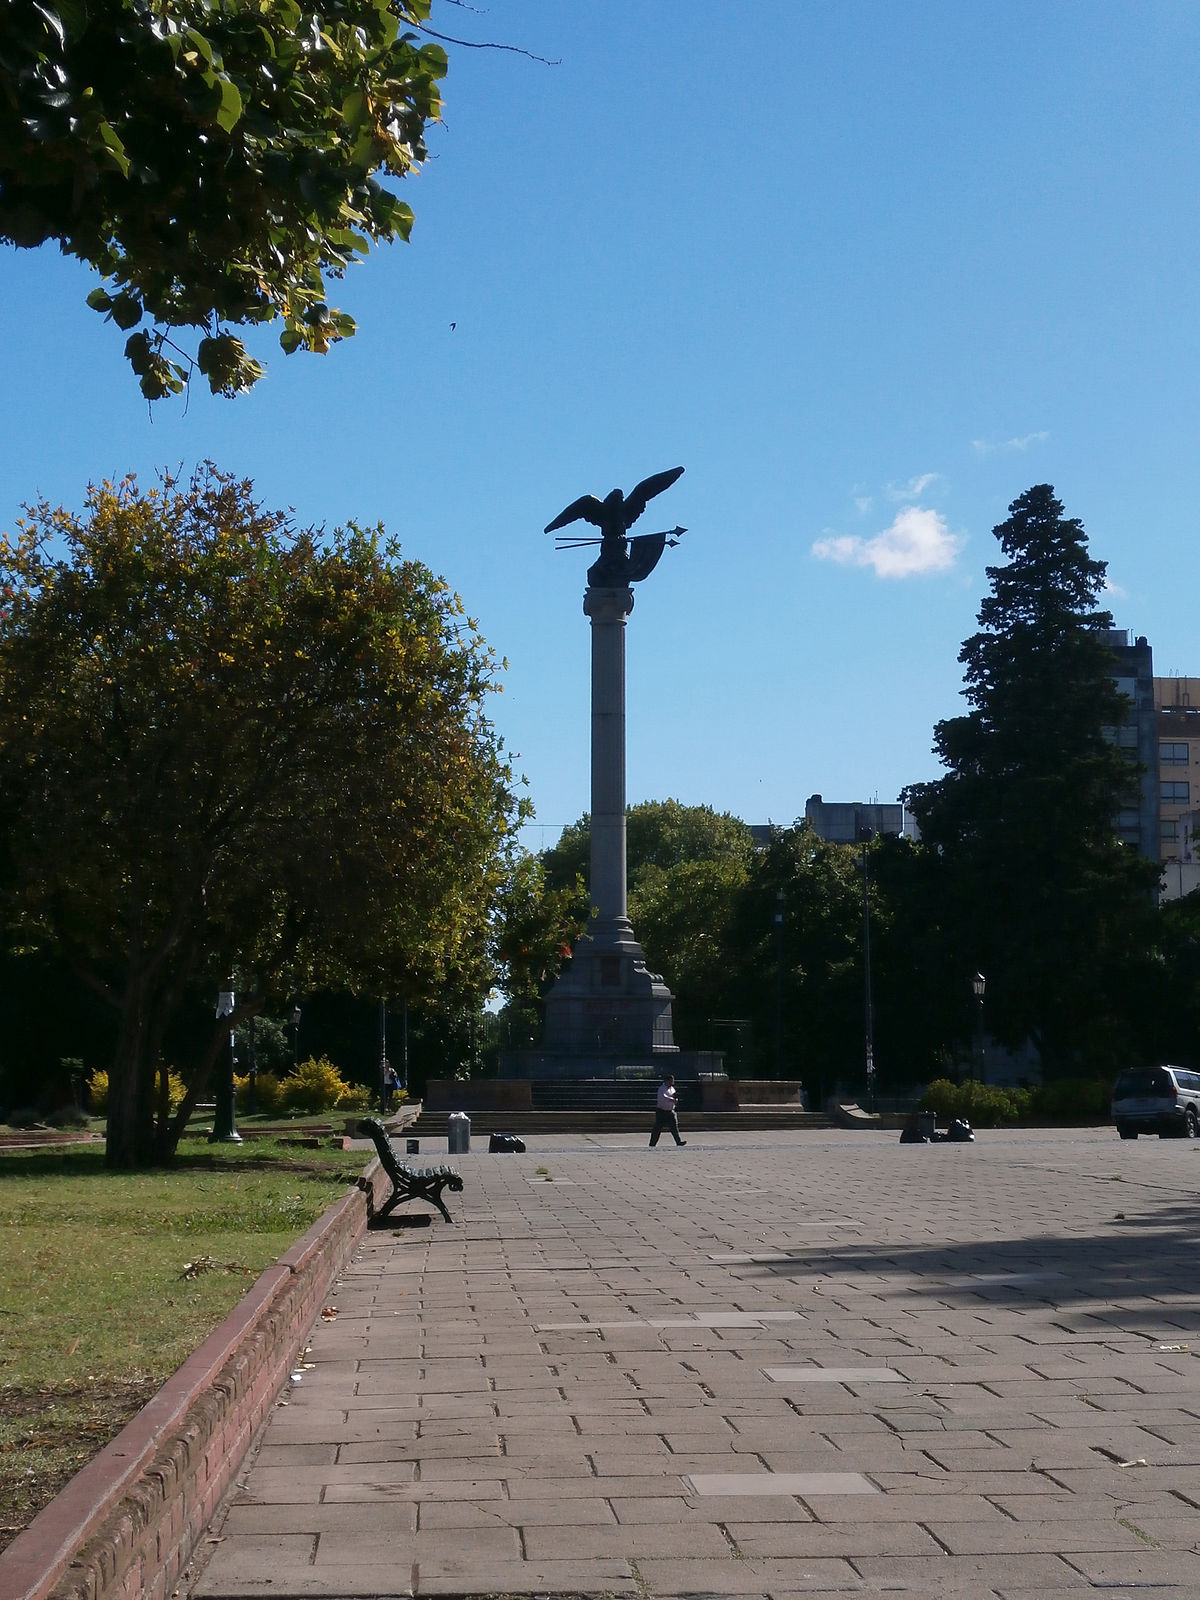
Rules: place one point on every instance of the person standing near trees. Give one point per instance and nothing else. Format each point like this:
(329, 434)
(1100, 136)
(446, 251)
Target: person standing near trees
(390, 1084)
(666, 1115)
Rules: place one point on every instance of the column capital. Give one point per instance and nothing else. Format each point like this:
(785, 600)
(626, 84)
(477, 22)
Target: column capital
(607, 605)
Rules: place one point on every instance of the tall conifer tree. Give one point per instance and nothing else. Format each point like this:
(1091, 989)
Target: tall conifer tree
(1039, 892)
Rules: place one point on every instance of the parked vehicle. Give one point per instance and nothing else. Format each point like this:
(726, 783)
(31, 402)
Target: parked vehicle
(1163, 1100)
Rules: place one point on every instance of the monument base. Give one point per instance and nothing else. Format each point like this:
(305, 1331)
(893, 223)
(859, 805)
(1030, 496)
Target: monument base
(562, 1065)
(607, 1005)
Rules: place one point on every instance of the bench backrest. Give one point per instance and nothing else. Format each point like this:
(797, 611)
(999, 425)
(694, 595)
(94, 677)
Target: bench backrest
(373, 1129)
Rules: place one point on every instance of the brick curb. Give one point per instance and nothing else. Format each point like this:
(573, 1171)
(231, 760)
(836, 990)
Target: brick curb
(125, 1526)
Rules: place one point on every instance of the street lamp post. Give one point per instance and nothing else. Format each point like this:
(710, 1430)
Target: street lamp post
(865, 836)
(779, 983)
(404, 1046)
(381, 1029)
(294, 1020)
(252, 1070)
(224, 1126)
(978, 989)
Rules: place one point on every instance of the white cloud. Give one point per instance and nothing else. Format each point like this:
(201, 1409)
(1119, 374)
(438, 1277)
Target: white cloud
(914, 488)
(1114, 589)
(864, 502)
(986, 447)
(918, 541)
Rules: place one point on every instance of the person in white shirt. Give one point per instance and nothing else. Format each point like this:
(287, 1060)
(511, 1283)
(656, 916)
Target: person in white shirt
(666, 1115)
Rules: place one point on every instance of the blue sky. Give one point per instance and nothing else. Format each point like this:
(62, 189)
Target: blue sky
(867, 271)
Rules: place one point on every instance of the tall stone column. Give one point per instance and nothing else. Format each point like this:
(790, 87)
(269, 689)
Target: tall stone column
(608, 609)
(606, 1009)
(606, 1006)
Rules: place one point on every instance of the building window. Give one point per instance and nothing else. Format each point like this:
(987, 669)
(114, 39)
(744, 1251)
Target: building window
(1172, 755)
(1173, 794)
(1168, 832)
(1127, 737)
(1129, 819)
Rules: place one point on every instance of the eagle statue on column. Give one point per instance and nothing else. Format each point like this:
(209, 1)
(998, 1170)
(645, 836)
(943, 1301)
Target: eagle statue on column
(622, 560)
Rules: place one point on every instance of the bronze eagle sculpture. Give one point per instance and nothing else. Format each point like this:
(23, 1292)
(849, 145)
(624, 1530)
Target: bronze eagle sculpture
(622, 560)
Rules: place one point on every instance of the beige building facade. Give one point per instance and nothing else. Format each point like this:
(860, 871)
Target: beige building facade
(1177, 719)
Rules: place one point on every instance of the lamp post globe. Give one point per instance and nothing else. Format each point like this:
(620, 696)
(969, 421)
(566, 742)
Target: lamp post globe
(224, 1124)
(978, 989)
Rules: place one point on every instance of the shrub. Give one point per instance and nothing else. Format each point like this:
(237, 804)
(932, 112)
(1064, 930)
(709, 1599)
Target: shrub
(268, 1092)
(984, 1105)
(357, 1098)
(315, 1085)
(1073, 1100)
(67, 1117)
(98, 1091)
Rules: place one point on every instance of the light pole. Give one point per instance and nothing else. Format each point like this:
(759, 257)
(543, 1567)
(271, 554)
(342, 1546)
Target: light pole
(865, 836)
(404, 1046)
(294, 1020)
(224, 1127)
(978, 989)
(383, 1056)
(252, 1070)
(779, 983)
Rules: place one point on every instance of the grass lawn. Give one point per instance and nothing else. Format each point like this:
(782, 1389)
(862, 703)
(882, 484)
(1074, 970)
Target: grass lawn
(100, 1296)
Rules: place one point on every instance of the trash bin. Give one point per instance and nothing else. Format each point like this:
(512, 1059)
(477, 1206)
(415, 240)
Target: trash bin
(459, 1133)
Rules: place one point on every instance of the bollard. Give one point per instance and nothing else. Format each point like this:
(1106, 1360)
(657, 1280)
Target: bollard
(459, 1133)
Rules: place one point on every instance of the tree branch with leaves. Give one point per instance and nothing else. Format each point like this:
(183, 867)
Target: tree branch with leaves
(216, 161)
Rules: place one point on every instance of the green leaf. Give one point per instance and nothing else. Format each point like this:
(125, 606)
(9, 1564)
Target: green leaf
(126, 310)
(229, 111)
(354, 109)
(100, 300)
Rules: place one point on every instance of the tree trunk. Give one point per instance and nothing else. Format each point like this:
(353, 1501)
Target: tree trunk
(130, 1129)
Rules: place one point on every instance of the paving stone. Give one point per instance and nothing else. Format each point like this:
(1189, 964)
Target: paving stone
(392, 1517)
(671, 1577)
(845, 1540)
(780, 1483)
(463, 1549)
(562, 1577)
(849, 1375)
(1054, 1537)
(1138, 1567)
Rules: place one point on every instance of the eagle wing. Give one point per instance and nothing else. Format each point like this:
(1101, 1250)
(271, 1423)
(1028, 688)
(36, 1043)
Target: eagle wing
(587, 507)
(635, 502)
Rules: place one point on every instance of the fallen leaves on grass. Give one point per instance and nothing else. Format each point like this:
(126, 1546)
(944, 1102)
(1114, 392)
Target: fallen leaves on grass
(193, 1269)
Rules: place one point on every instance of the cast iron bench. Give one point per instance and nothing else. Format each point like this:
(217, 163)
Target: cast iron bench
(408, 1183)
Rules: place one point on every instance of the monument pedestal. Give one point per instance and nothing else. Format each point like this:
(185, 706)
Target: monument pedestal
(607, 1004)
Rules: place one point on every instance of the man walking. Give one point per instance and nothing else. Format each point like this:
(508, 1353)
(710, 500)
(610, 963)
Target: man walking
(666, 1115)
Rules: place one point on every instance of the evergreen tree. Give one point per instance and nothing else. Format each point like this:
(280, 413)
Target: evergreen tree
(1039, 892)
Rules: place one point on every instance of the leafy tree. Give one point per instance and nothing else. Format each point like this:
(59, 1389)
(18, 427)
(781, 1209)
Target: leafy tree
(1040, 894)
(214, 160)
(536, 927)
(226, 746)
(686, 866)
(659, 834)
(809, 965)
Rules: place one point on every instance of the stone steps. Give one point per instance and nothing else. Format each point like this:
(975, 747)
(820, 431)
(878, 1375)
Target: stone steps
(433, 1124)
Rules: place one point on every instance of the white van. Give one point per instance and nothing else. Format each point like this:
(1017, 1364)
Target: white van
(1162, 1100)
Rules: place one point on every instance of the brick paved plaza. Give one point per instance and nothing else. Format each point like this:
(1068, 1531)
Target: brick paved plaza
(767, 1364)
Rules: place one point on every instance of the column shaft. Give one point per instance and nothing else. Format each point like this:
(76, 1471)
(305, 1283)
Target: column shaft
(608, 609)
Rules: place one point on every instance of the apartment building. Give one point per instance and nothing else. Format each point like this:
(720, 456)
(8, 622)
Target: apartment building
(1177, 723)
